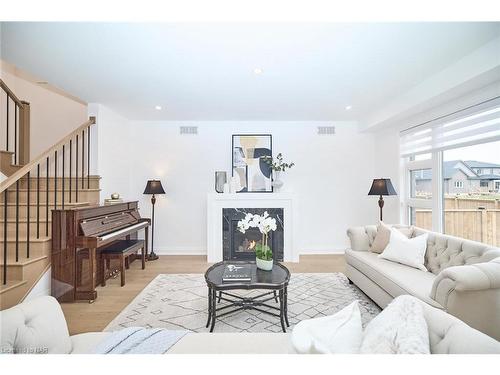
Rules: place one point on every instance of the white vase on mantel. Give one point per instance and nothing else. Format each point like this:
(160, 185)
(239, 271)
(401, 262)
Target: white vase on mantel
(277, 182)
(234, 185)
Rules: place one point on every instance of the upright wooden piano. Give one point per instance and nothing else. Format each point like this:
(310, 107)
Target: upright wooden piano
(78, 235)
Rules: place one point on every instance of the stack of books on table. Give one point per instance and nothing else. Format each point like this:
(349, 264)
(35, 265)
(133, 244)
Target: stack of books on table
(237, 273)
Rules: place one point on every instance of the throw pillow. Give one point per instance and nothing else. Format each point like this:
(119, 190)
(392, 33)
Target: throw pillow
(399, 329)
(408, 251)
(407, 231)
(384, 234)
(338, 333)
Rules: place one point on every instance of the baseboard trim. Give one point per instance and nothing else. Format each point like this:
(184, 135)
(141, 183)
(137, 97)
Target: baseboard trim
(322, 252)
(180, 251)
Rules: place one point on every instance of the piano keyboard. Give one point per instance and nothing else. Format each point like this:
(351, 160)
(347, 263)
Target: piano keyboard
(122, 231)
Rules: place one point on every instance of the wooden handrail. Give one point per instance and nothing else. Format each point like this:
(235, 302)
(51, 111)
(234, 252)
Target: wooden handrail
(32, 164)
(9, 92)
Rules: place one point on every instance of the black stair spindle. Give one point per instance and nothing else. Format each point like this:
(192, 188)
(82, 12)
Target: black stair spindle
(15, 133)
(7, 123)
(28, 218)
(83, 159)
(5, 237)
(47, 199)
(70, 167)
(63, 182)
(38, 201)
(76, 166)
(88, 157)
(55, 180)
(17, 221)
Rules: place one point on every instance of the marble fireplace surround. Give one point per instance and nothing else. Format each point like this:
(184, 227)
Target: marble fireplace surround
(233, 238)
(217, 202)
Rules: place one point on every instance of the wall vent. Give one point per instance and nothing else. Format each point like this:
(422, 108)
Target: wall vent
(189, 129)
(326, 130)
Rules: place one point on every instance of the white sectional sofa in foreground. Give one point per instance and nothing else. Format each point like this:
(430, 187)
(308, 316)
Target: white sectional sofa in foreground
(462, 278)
(39, 326)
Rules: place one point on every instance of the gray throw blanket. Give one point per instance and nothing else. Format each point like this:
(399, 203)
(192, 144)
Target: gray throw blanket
(137, 340)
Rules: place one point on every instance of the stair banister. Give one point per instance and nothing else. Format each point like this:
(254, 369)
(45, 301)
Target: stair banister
(22, 137)
(9, 181)
(14, 181)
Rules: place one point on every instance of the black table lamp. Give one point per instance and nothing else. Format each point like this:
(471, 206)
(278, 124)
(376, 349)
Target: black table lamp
(153, 187)
(380, 187)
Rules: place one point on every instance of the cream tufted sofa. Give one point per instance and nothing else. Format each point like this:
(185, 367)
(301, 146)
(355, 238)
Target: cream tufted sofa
(463, 276)
(38, 326)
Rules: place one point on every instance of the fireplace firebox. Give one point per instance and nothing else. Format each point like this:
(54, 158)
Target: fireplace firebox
(241, 246)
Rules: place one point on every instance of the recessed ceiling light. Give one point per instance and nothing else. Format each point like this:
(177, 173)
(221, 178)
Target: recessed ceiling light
(257, 71)
(158, 107)
(348, 107)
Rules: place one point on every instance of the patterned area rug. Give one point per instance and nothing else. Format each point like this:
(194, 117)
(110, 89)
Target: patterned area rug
(180, 302)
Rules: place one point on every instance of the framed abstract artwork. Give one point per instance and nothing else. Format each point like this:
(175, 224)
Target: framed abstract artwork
(248, 166)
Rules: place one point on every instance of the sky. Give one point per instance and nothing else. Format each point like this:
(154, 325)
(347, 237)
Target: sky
(487, 152)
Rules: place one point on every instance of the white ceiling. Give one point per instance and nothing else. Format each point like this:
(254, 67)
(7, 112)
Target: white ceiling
(206, 71)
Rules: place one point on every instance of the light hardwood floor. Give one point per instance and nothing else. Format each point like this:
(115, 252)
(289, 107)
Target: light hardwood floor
(86, 317)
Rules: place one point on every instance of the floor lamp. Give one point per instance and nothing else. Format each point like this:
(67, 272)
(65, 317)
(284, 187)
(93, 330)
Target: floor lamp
(380, 187)
(153, 187)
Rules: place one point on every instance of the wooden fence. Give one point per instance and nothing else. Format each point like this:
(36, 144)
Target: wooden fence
(460, 202)
(477, 220)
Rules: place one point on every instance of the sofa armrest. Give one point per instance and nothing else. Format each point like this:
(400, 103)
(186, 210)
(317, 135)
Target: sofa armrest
(471, 293)
(467, 278)
(362, 237)
(35, 326)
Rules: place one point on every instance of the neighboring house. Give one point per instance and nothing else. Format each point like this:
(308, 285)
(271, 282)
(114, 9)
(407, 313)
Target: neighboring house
(488, 175)
(461, 177)
(481, 168)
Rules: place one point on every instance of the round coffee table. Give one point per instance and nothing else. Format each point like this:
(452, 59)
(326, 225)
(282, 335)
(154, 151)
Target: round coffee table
(275, 281)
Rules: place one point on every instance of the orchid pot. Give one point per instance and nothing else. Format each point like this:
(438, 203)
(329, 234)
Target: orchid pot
(264, 255)
(265, 265)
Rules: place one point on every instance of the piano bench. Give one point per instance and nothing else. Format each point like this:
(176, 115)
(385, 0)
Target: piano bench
(121, 250)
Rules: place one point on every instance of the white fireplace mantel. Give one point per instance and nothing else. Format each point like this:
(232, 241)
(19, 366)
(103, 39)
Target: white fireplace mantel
(216, 202)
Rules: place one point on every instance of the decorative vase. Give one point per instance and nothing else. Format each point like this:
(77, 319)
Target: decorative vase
(220, 180)
(265, 265)
(277, 183)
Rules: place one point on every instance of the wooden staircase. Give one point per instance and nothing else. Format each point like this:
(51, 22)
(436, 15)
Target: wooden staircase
(57, 178)
(23, 273)
(7, 167)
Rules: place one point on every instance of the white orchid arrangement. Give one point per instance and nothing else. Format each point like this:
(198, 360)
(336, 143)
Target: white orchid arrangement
(266, 224)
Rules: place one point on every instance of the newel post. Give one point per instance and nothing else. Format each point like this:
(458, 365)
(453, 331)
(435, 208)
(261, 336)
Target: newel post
(24, 134)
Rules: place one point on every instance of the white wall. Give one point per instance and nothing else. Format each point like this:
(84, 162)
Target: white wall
(387, 165)
(42, 287)
(52, 115)
(332, 176)
(114, 155)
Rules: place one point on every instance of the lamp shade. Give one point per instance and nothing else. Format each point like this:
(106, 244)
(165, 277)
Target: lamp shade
(154, 187)
(382, 186)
